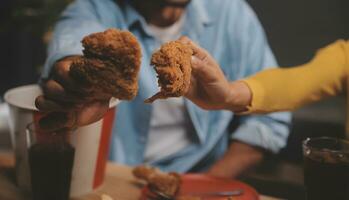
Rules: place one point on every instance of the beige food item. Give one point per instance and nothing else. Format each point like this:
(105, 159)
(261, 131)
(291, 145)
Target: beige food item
(166, 183)
(106, 197)
(110, 65)
(172, 63)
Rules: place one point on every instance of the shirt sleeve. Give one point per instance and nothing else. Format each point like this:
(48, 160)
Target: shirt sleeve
(78, 20)
(269, 132)
(287, 89)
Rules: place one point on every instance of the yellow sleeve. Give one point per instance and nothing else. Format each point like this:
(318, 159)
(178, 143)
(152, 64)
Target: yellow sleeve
(286, 89)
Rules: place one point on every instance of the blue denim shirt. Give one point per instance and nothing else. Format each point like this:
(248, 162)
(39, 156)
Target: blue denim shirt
(228, 29)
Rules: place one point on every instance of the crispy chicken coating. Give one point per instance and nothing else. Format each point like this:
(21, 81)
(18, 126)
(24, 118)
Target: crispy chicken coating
(110, 65)
(172, 63)
(144, 172)
(166, 183)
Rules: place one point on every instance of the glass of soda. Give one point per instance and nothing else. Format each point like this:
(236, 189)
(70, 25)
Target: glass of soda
(326, 168)
(51, 158)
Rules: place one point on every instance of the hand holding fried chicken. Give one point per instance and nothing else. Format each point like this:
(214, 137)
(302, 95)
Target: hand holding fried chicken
(65, 102)
(209, 88)
(80, 87)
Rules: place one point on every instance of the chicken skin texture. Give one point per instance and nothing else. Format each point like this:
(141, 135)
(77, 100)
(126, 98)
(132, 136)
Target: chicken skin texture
(110, 65)
(172, 63)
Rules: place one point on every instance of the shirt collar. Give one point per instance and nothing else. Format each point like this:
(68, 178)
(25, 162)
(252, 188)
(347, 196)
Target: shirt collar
(131, 16)
(197, 19)
(197, 14)
(197, 8)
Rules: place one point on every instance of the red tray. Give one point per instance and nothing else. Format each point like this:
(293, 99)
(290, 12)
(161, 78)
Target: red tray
(195, 183)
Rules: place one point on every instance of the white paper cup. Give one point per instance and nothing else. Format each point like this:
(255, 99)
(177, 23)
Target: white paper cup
(91, 142)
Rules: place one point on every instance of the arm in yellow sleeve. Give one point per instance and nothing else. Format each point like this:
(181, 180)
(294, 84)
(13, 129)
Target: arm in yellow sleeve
(286, 89)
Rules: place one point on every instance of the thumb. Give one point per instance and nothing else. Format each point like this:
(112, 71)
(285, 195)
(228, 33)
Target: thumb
(198, 65)
(191, 92)
(199, 52)
(201, 69)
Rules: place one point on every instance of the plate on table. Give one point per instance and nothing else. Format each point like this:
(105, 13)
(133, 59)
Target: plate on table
(198, 183)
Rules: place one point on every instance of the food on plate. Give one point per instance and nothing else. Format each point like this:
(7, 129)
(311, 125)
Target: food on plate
(144, 172)
(110, 65)
(172, 63)
(165, 183)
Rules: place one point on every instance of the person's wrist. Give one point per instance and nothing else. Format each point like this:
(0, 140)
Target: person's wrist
(239, 97)
(238, 158)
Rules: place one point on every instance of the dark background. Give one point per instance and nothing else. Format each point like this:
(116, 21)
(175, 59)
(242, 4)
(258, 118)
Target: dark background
(295, 28)
(24, 32)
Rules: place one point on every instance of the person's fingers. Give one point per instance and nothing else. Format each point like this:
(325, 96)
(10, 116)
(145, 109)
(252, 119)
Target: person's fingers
(56, 121)
(192, 90)
(87, 114)
(46, 105)
(54, 91)
(61, 75)
(202, 69)
(201, 53)
(91, 112)
(197, 64)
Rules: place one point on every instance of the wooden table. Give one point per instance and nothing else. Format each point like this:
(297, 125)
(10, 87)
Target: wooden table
(119, 183)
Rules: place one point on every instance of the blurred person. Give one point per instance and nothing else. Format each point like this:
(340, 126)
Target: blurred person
(270, 90)
(172, 134)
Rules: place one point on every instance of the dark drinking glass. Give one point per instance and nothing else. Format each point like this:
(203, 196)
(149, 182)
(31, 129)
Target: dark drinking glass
(326, 168)
(51, 158)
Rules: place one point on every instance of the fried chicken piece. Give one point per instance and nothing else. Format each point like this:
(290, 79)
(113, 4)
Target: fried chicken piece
(172, 63)
(144, 172)
(166, 183)
(110, 65)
